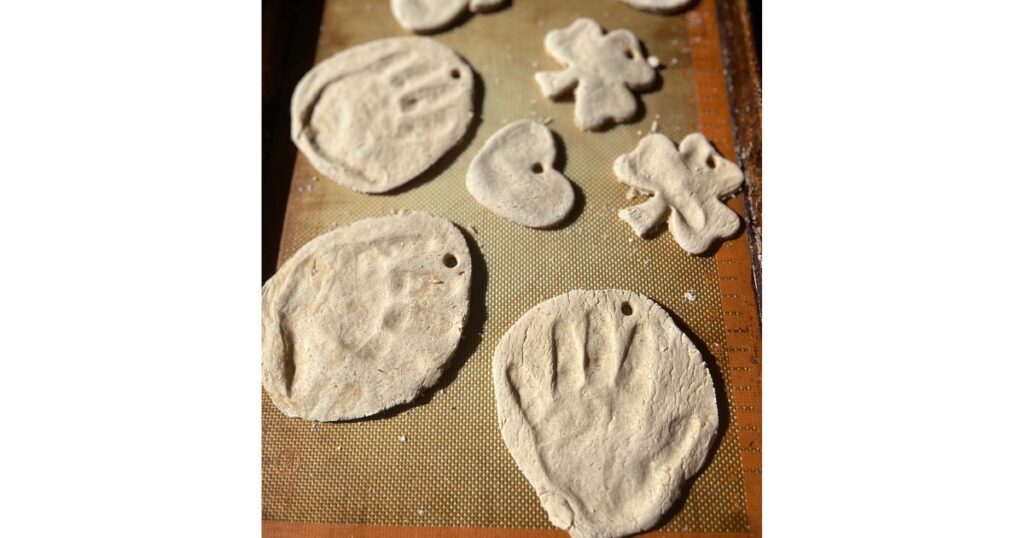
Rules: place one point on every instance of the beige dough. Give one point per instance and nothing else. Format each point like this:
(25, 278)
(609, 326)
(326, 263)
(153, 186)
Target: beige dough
(513, 175)
(375, 116)
(685, 187)
(431, 15)
(606, 407)
(659, 6)
(600, 69)
(364, 317)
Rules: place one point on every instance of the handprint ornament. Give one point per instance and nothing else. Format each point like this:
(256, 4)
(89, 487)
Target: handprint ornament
(601, 70)
(365, 317)
(685, 186)
(377, 115)
(606, 407)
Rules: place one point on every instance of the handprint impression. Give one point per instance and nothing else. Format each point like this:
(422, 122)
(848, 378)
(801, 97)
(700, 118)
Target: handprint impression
(375, 116)
(606, 407)
(602, 70)
(685, 187)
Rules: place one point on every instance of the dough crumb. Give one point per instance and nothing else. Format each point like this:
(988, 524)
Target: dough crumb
(630, 240)
(401, 438)
(654, 126)
(337, 448)
(547, 120)
(312, 426)
(654, 61)
(632, 194)
(673, 61)
(421, 511)
(690, 296)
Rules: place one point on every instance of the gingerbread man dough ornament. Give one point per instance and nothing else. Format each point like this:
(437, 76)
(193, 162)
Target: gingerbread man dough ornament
(600, 69)
(685, 186)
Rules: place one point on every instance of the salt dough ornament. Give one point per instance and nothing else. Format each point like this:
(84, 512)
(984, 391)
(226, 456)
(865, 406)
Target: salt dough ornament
(685, 186)
(601, 69)
(659, 6)
(375, 116)
(365, 317)
(513, 176)
(431, 15)
(606, 407)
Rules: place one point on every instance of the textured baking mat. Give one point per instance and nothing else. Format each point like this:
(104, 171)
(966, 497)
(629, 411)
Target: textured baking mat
(440, 462)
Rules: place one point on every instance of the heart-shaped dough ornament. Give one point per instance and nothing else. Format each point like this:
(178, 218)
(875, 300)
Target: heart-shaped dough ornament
(514, 176)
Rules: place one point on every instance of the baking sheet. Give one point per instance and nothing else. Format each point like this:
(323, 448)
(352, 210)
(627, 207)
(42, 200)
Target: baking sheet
(452, 470)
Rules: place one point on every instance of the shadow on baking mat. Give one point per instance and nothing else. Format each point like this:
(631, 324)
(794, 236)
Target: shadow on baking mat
(723, 416)
(446, 160)
(472, 335)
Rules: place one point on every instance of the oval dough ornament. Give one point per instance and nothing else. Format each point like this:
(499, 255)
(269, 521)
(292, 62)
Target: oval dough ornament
(601, 70)
(513, 176)
(606, 407)
(377, 115)
(432, 15)
(364, 317)
(659, 6)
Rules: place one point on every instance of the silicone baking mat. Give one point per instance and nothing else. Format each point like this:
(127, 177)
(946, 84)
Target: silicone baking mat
(440, 461)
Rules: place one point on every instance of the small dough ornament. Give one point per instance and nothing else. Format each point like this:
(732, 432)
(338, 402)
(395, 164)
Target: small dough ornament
(685, 186)
(377, 115)
(601, 70)
(514, 176)
(423, 16)
(606, 407)
(659, 6)
(365, 317)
